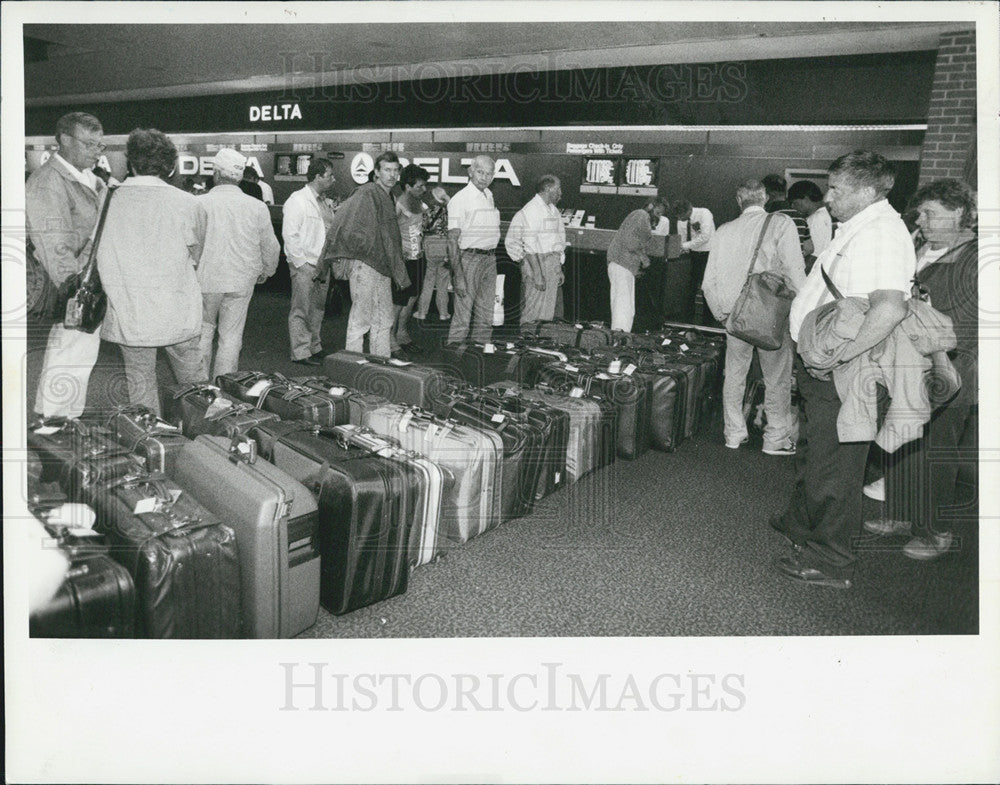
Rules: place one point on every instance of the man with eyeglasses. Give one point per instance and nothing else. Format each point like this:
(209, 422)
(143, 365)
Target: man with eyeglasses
(63, 199)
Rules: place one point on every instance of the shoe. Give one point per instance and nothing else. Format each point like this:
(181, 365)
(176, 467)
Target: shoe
(792, 568)
(732, 445)
(445, 318)
(875, 490)
(419, 316)
(886, 527)
(787, 449)
(926, 548)
(308, 361)
(775, 523)
(411, 348)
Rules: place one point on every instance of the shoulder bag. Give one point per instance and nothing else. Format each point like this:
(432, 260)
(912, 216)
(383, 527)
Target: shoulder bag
(760, 314)
(87, 302)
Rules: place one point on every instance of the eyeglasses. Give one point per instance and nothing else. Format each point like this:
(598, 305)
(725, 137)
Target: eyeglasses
(99, 147)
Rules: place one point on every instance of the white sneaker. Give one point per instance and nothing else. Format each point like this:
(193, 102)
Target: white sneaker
(786, 449)
(875, 490)
(735, 445)
(445, 317)
(926, 548)
(420, 316)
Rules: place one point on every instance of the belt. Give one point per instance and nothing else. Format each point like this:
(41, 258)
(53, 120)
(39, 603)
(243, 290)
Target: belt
(479, 251)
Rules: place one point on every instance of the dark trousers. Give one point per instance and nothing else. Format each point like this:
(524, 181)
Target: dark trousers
(824, 513)
(921, 476)
(649, 289)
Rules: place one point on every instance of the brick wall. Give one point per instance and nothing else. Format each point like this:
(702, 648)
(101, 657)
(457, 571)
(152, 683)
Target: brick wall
(949, 148)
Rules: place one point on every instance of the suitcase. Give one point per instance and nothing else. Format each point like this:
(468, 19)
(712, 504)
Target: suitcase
(204, 409)
(367, 507)
(58, 445)
(274, 517)
(578, 335)
(426, 541)
(95, 600)
(182, 559)
(398, 380)
(152, 438)
(590, 440)
(520, 446)
(472, 455)
(357, 402)
(629, 395)
(290, 401)
(484, 364)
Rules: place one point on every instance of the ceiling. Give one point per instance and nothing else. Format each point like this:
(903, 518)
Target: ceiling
(113, 62)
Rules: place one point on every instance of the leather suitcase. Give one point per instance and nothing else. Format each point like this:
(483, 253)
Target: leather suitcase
(398, 380)
(628, 394)
(426, 541)
(472, 455)
(204, 409)
(59, 445)
(154, 440)
(520, 446)
(274, 517)
(96, 600)
(578, 335)
(367, 507)
(290, 401)
(484, 364)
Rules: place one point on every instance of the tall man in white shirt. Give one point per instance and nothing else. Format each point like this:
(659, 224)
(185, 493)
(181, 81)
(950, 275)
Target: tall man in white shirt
(306, 217)
(871, 257)
(240, 251)
(695, 225)
(62, 200)
(537, 239)
(728, 265)
(473, 234)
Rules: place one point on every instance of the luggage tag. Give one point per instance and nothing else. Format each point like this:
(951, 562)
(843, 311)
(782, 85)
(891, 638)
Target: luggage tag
(157, 503)
(242, 450)
(602, 375)
(218, 408)
(362, 361)
(489, 348)
(684, 347)
(666, 342)
(629, 369)
(576, 392)
(338, 392)
(498, 418)
(46, 430)
(615, 366)
(510, 346)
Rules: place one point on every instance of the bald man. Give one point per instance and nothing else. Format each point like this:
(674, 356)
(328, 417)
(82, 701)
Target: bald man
(473, 234)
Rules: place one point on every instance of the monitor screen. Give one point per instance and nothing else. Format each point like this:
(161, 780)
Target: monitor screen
(639, 171)
(599, 171)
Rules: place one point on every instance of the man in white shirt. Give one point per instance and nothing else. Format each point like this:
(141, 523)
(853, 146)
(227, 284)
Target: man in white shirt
(871, 257)
(728, 266)
(806, 197)
(306, 216)
(240, 251)
(473, 234)
(695, 225)
(537, 239)
(62, 200)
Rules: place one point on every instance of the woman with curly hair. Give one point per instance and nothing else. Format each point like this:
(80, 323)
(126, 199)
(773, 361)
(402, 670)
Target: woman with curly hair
(152, 242)
(921, 478)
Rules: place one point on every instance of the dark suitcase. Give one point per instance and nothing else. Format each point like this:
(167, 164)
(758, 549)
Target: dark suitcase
(398, 380)
(367, 507)
(357, 402)
(290, 401)
(628, 394)
(484, 364)
(59, 445)
(274, 517)
(578, 335)
(204, 409)
(182, 559)
(154, 440)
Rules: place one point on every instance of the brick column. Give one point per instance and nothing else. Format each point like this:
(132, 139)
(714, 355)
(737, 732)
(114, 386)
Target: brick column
(949, 148)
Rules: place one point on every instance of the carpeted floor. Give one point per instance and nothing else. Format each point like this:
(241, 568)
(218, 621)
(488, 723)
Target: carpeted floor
(671, 544)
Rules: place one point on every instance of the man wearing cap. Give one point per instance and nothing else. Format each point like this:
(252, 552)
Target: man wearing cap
(306, 217)
(62, 201)
(240, 250)
(473, 234)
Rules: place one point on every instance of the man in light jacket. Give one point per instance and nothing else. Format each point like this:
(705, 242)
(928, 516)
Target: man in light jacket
(729, 259)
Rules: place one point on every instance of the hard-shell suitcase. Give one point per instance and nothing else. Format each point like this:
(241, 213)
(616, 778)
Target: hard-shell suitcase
(630, 396)
(204, 409)
(357, 402)
(520, 447)
(152, 438)
(96, 600)
(367, 507)
(183, 559)
(274, 517)
(473, 456)
(290, 401)
(425, 536)
(398, 380)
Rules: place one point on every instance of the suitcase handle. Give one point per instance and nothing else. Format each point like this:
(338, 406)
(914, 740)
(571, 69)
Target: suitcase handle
(197, 387)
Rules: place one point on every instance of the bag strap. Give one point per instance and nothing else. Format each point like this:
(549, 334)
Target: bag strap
(756, 250)
(91, 267)
(830, 285)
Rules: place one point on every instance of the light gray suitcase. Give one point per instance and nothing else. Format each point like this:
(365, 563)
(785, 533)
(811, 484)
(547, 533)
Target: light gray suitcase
(274, 517)
(474, 456)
